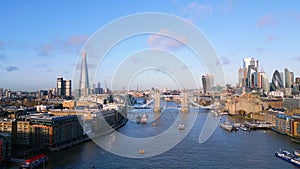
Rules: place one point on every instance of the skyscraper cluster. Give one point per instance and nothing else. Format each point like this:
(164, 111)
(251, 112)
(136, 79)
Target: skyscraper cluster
(250, 78)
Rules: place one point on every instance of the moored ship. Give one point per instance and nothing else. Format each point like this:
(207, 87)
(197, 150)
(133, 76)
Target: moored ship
(35, 162)
(227, 126)
(289, 157)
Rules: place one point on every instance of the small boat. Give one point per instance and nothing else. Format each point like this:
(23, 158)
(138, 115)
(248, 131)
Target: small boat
(153, 124)
(138, 119)
(34, 162)
(296, 153)
(235, 128)
(245, 128)
(289, 157)
(224, 113)
(181, 127)
(214, 113)
(227, 126)
(142, 151)
(237, 125)
(144, 118)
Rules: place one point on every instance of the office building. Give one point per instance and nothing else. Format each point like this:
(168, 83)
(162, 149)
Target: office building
(6, 126)
(265, 83)
(296, 87)
(288, 82)
(242, 75)
(204, 83)
(260, 80)
(93, 88)
(98, 89)
(282, 78)
(288, 78)
(250, 65)
(7, 93)
(42, 94)
(297, 81)
(68, 87)
(250, 61)
(59, 86)
(41, 129)
(207, 82)
(23, 132)
(283, 123)
(63, 87)
(277, 83)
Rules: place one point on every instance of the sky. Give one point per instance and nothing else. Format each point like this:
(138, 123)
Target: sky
(40, 40)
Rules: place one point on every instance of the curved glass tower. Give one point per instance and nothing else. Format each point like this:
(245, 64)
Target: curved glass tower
(277, 82)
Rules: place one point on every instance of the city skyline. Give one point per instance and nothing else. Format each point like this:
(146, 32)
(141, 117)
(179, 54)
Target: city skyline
(37, 44)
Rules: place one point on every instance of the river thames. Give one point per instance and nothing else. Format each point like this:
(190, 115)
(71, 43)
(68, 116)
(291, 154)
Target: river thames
(241, 149)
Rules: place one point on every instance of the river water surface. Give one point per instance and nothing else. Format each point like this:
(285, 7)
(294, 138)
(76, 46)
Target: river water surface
(223, 149)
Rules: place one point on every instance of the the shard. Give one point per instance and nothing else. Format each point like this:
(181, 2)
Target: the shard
(84, 77)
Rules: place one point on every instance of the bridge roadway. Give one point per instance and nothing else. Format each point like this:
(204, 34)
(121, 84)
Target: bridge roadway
(176, 105)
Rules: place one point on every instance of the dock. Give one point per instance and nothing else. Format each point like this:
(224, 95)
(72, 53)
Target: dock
(257, 125)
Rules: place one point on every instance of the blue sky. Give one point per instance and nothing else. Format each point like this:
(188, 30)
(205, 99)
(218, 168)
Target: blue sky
(40, 40)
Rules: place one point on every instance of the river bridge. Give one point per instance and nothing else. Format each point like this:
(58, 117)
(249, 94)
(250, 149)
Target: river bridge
(184, 102)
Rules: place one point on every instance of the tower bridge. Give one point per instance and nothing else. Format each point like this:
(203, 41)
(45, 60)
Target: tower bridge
(183, 100)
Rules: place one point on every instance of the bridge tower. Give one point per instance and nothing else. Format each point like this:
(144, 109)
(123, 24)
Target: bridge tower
(184, 102)
(157, 101)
